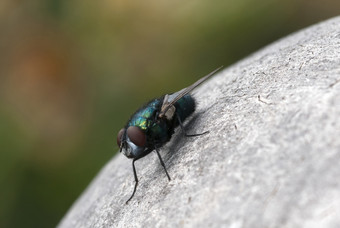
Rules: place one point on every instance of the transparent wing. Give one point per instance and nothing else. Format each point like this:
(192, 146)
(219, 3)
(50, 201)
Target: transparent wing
(170, 100)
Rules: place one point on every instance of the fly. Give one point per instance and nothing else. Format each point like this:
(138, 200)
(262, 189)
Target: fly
(153, 125)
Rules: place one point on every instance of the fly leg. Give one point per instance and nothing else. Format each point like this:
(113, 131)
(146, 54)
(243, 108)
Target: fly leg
(162, 163)
(136, 179)
(184, 131)
(146, 152)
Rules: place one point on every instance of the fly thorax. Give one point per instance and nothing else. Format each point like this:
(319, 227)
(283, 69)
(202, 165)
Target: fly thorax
(170, 112)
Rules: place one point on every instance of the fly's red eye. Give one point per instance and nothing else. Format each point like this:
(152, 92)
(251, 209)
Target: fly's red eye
(119, 136)
(136, 135)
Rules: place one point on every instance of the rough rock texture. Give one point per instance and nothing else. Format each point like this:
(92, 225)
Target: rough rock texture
(271, 159)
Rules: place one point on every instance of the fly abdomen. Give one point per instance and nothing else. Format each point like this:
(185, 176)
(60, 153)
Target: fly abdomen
(185, 107)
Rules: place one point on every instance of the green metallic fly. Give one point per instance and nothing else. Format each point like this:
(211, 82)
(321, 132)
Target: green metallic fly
(153, 125)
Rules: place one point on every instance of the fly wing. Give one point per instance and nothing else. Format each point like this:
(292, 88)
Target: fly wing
(170, 100)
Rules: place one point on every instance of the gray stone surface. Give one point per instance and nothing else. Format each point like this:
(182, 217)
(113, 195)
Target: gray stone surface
(271, 159)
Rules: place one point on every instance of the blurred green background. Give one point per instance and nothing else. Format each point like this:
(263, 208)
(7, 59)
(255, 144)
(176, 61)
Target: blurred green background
(72, 72)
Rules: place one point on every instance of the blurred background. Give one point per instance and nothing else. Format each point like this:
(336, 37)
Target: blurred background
(72, 72)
